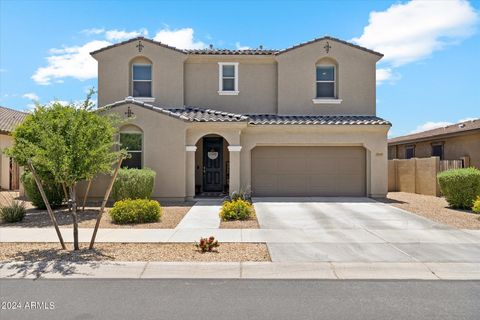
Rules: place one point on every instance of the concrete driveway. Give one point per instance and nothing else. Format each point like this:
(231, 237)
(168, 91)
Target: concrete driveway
(359, 230)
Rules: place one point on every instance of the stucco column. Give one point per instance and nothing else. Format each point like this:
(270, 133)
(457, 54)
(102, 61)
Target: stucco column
(190, 172)
(234, 168)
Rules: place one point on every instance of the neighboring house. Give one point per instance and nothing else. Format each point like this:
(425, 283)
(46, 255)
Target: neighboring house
(448, 143)
(294, 122)
(9, 170)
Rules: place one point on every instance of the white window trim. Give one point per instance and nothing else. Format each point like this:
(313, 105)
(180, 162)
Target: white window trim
(220, 79)
(327, 100)
(144, 99)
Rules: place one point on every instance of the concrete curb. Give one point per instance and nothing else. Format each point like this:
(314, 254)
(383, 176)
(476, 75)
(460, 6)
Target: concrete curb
(240, 270)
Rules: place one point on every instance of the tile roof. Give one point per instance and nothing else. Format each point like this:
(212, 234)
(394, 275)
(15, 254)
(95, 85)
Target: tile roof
(438, 132)
(10, 118)
(266, 119)
(236, 51)
(194, 114)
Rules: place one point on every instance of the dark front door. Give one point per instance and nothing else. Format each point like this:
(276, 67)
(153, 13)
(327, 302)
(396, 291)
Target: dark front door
(212, 164)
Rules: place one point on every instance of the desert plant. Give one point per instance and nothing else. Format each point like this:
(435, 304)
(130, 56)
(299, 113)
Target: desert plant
(460, 186)
(14, 212)
(133, 184)
(52, 190)
(207, 244)
(236, 210)
(136, 211)
(244, 194)
(476, 205)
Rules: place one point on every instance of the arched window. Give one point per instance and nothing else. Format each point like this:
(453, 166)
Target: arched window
(326, 79)
(131, 139)
(141, 78)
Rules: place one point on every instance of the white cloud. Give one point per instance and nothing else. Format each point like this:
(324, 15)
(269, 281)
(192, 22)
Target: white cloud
(240, 47)
(386, 74)
(180, 38)
(74, 62)
(30, 96)
(467, 119)
(122, 35)
(93, 31)
(413, 30)
(431, 125)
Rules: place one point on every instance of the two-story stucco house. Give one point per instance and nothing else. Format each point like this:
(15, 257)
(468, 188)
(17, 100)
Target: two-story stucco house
(294, 122)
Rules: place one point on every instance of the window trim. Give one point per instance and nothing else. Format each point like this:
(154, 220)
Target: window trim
(327, 100)
(220, 79)
(144, 99)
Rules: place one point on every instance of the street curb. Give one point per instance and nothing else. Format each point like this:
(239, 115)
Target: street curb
(240, 270)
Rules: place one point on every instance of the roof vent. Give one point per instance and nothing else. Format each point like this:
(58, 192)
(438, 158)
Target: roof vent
(461, 125)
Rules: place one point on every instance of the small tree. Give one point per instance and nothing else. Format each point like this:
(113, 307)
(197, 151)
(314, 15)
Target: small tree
(69, 141)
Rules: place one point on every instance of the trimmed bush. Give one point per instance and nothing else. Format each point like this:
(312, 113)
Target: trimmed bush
(133, 184)
(236, 210)
(460, 186)
(53, 191)
(135, 211)
(476, 205)
(13, 213)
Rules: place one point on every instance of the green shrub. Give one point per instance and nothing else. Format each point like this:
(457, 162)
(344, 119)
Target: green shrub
(133, 184)
(476, 205)
(460, 186)
(13, 213)
(135, 211)
(236, 210)
(53, 191)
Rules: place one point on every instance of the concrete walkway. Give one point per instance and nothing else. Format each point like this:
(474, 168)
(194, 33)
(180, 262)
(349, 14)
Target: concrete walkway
(203, 214)
(238, 270)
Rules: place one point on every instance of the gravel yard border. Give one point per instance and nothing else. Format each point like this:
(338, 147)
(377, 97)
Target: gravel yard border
(172, 252)
(433, 208)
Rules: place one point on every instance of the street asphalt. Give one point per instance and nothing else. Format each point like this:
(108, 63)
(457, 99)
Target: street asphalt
(239, 299)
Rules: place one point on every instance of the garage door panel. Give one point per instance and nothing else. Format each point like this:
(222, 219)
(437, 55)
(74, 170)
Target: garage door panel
(308, 171)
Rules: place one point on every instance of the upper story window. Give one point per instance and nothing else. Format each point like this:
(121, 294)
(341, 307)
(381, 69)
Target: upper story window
(326, 81)
(132, 142)
(228, 78)
(142, 80)
(409, 152)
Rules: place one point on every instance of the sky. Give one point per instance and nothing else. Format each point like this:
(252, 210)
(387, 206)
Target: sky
(45, 45)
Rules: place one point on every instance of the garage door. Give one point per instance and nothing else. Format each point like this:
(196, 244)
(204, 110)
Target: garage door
(308, 171)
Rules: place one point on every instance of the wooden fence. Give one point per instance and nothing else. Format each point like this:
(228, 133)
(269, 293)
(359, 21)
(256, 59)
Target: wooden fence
(451, 164)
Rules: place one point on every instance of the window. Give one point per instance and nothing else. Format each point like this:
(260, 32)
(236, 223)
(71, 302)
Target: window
(132, 142)
(228, 78)
(409, 152)
(142, 80)
(437, 150)
(326, 81)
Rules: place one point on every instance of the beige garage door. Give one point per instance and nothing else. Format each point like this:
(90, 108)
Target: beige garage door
(308, 171)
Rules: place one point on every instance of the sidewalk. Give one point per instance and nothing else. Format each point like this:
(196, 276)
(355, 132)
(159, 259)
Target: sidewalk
(241, 270)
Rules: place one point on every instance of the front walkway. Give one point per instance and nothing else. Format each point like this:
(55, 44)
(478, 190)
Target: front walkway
(204, 214)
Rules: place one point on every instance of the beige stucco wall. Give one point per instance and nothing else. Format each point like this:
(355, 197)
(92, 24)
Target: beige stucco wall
(283, 84)
(114, 73)
(356, 80)
(416, 175)
(5, 142)
(256, 84)
(454, 148)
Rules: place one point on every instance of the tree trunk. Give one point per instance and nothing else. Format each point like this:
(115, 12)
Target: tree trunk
(104, 203)
(86, 194)
(66, 197)
(47, 204)
(73, 201)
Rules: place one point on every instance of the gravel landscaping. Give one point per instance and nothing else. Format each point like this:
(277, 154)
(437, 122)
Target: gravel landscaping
(175, 252)
(172, 214)
(433, 208)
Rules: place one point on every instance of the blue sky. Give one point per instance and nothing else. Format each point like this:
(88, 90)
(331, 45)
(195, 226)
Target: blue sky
(429, 73)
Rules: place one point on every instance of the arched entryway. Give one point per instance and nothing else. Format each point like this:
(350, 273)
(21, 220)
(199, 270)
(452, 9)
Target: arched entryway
(212, 166)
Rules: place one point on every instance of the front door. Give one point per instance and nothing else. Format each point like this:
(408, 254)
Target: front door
(213, 164)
